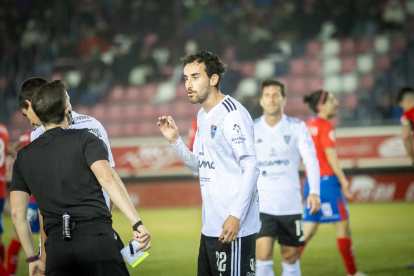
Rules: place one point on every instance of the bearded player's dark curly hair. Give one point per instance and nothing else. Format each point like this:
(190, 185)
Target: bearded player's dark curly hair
(212, 63)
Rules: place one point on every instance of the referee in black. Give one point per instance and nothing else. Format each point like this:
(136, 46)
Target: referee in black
(65, 170)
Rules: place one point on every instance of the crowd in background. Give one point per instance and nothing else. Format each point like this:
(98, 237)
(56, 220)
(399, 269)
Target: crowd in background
(93, 45)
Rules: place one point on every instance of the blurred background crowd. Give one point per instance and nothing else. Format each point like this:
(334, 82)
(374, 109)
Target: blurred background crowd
(121, 58)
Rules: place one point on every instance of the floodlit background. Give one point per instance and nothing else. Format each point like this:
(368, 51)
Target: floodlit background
(121, 62)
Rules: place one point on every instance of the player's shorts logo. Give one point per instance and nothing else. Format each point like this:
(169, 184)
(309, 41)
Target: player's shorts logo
(213, 131)
(236, 128)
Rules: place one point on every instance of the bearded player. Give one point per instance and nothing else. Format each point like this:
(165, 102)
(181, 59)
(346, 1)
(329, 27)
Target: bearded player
(280, 143)
(334, 185)
(224, 157)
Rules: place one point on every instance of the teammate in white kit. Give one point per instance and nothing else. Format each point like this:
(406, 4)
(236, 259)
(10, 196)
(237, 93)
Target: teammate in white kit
(280, 143)
(78, 121)
(225, 160)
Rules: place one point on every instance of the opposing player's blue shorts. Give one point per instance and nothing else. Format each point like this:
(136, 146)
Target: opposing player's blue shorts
(33, 217)
(333, 202)
(1, 214)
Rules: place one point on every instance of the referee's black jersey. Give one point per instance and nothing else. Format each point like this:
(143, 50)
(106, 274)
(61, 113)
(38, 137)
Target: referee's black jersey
(55, 168)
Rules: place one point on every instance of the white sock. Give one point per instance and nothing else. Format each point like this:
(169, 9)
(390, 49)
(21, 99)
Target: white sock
(291, 269)
(264, 268)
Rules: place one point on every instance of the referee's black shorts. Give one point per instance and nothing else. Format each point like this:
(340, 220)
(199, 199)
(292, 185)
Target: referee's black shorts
(93, 250)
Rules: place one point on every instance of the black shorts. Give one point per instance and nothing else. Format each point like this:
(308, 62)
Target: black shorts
(287, 229)
(222, 259)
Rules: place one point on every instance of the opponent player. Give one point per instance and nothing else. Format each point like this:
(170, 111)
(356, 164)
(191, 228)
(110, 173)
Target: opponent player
(33, 215)
(280, 143)
(4, 142)
(224, 157)
(26, 93)
(405, 99)
(334, 185)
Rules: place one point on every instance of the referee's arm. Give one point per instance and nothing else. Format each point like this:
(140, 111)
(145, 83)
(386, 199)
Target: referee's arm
(113, 185)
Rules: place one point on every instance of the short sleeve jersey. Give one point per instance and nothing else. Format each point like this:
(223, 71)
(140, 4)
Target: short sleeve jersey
(225, 134)
(45, 168)
(25, 138)
(279, 149)
(81, 122)
(407, 118)
(4, 141)
(323, 135)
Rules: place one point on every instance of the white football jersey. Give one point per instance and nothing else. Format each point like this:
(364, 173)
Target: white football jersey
(224, 135)
(81, 122)
(279, 149)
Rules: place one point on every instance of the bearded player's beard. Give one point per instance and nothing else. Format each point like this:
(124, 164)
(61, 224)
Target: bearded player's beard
(200, 97)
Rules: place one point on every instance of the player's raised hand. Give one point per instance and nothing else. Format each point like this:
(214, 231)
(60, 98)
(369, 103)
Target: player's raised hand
(230, 230)
(315, 202)
(142, 236)
(37, 268)
(168, 128)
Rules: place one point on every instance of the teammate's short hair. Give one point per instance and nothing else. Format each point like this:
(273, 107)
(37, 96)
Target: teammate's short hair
(28, 89)
(50, 102)
(316, 99)
(406, 90)
(275, 82)
(212, 63)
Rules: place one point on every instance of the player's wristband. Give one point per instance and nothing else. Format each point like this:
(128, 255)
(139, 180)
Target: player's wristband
(135, 227)
(34, 258)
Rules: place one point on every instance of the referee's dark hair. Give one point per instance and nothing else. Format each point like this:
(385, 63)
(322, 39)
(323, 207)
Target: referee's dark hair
(271, 82)
(212, 63)
(28, 89)
(50, 102)
(404, 91)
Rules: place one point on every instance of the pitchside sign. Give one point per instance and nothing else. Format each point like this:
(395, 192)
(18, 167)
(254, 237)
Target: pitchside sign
(368, 147)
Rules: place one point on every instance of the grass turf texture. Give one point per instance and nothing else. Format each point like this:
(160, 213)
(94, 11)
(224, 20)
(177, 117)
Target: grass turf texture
(383, 237)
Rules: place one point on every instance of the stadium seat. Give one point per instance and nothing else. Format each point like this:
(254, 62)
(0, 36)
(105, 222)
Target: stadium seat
(116, 94)
(132, 112)
(133, 94)
(99, 112)
(247, 69)
(165, 92)
(247, 87)
(145, 129)
(351, 101)
(382, 63)
(348, 47)
(399, 43)
(149, 112)
(364, 45)
(297, 67)
(297, 86)
(149, 91)
(349, 64)
(331, 47)
(313, 48)
(350, 82)
(130, 129)
(367, 82)
(332, 65)
(365, 63)
(332, 84)
(165, 109)
(183, 125)
(181, 91)
(17, 118)
(264, 69)
(381, 44)
(84, 110)
(314, 84)
(182, 110)
(114, 130)
(115, 113)
(314, 67)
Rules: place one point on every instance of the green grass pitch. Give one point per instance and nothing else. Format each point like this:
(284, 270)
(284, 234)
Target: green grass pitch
(383, 236)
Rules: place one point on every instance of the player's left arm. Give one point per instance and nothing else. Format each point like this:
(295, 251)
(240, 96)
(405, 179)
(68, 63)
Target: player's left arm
(333, 161)
(239, 133)
(308, 153)
(408, 140)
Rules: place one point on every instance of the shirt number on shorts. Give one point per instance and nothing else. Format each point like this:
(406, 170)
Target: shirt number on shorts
(221, 259)
(299, 227)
